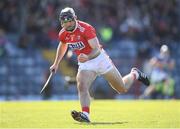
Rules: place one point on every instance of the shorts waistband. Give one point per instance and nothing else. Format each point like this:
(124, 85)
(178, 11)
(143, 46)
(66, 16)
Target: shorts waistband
(101, 51)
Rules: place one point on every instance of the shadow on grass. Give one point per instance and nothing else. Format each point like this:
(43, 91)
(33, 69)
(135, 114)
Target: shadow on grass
(104, 123)
(107, 123)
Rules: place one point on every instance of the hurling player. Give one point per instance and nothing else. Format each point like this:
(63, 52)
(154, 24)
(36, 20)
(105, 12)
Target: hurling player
(92, 60)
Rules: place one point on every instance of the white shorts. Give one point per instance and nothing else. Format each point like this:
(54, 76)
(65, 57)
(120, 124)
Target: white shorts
(101, 64)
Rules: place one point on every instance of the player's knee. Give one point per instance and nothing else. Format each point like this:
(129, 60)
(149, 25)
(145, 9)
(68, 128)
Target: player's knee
(82, 87)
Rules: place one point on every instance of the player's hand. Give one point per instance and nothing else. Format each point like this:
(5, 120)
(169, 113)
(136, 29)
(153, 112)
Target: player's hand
(83, 58)
(54, 68)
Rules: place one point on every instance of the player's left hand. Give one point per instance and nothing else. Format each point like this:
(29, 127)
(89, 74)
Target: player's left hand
(83, 58)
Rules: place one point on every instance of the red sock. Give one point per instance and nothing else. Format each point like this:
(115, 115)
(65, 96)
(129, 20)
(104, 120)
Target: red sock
(85, 109)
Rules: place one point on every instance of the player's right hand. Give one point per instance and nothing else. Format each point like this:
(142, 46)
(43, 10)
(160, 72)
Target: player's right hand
(53, 68)
(82, 58)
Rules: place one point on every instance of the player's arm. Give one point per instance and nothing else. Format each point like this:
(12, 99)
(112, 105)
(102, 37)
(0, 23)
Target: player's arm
(171, 65)
(155, 63)
(61, 50)
(94, 43)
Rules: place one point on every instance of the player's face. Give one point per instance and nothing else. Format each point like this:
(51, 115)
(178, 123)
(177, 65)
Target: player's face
(69, 25)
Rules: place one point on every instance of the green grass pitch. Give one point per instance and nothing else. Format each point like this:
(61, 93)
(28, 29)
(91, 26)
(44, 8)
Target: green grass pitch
(104, 114)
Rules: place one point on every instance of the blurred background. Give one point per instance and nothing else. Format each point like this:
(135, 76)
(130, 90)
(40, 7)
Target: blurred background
(131, 31)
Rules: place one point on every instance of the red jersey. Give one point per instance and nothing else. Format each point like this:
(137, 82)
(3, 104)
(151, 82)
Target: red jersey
(78, 39)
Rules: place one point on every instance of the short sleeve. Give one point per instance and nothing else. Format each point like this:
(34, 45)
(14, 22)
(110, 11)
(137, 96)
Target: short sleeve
(90, 33)
(61, 36)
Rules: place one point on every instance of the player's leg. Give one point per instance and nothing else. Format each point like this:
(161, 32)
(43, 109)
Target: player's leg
(116, 81)
(122, 85)
(148, 91)
(84, 80)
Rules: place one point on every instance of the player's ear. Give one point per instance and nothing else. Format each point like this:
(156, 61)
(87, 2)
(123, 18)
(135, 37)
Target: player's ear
(62, 25)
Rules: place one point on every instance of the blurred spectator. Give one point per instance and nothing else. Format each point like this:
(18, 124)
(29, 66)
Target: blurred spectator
(162, 83)
(23, 41)
(138, 19)
(2, 43)
(6, 47)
